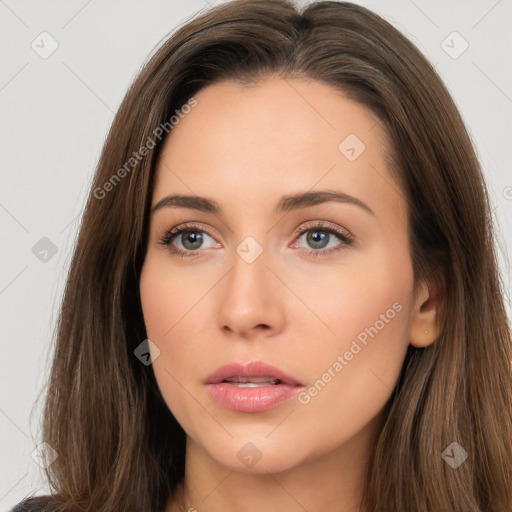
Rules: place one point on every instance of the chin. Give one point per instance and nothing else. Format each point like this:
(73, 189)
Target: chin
(255, 454)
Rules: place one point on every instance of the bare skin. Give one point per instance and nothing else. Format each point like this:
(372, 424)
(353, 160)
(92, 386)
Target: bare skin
(246, 148)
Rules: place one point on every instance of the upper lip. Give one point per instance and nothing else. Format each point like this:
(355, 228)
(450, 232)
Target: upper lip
(251, 369)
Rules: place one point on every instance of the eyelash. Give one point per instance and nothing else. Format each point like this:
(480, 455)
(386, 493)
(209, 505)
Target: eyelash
(345, 237)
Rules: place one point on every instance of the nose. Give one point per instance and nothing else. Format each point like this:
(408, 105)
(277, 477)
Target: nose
(251, 300)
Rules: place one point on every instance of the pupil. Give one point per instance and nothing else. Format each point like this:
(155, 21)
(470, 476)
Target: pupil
(194, 238)
(318, 239)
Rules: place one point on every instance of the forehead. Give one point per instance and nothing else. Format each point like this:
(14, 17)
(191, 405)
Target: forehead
(282, 115)
(279, 135)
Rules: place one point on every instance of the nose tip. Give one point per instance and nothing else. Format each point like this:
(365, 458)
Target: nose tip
(241, 331)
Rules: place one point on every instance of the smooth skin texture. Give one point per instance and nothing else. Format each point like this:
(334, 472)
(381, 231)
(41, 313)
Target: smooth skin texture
(246, 148)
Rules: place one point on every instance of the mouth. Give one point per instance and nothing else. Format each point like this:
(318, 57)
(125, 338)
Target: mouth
(253, 387)
(252, 374)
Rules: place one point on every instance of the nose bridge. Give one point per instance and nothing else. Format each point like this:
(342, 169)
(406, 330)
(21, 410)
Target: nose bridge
(249, 299)
(248, 280)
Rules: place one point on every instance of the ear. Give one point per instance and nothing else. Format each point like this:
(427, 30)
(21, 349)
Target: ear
(425, 319)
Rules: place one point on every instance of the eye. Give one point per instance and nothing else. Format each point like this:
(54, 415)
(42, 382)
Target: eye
(191, 237)
(323, 238)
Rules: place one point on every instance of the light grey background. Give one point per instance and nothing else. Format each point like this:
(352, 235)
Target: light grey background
(56, 111)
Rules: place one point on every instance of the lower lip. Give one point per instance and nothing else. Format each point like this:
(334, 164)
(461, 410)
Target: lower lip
(257, 399)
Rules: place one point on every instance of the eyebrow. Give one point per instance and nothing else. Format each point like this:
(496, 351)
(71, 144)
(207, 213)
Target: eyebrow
(285, 204)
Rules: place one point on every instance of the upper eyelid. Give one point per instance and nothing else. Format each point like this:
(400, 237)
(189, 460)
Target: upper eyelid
(319, 224)
(299, 231)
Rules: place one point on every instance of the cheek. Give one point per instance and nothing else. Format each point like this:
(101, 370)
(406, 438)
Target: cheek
(171, 304)
(169, 296)
(355, 368)
(367, 292)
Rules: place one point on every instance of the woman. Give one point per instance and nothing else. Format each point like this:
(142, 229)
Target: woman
(284, 295)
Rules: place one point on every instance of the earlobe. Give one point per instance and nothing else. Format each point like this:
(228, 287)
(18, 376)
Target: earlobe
(424, 329)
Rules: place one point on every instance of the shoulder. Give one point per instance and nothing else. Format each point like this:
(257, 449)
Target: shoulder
(30, 505)
(24, 508)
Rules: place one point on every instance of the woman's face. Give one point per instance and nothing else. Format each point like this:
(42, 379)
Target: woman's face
(316, 285)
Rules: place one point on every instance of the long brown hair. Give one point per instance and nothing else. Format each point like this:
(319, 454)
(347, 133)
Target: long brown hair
(119, 446)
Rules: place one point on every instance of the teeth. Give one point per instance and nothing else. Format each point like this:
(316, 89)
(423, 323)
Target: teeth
(252, 382)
